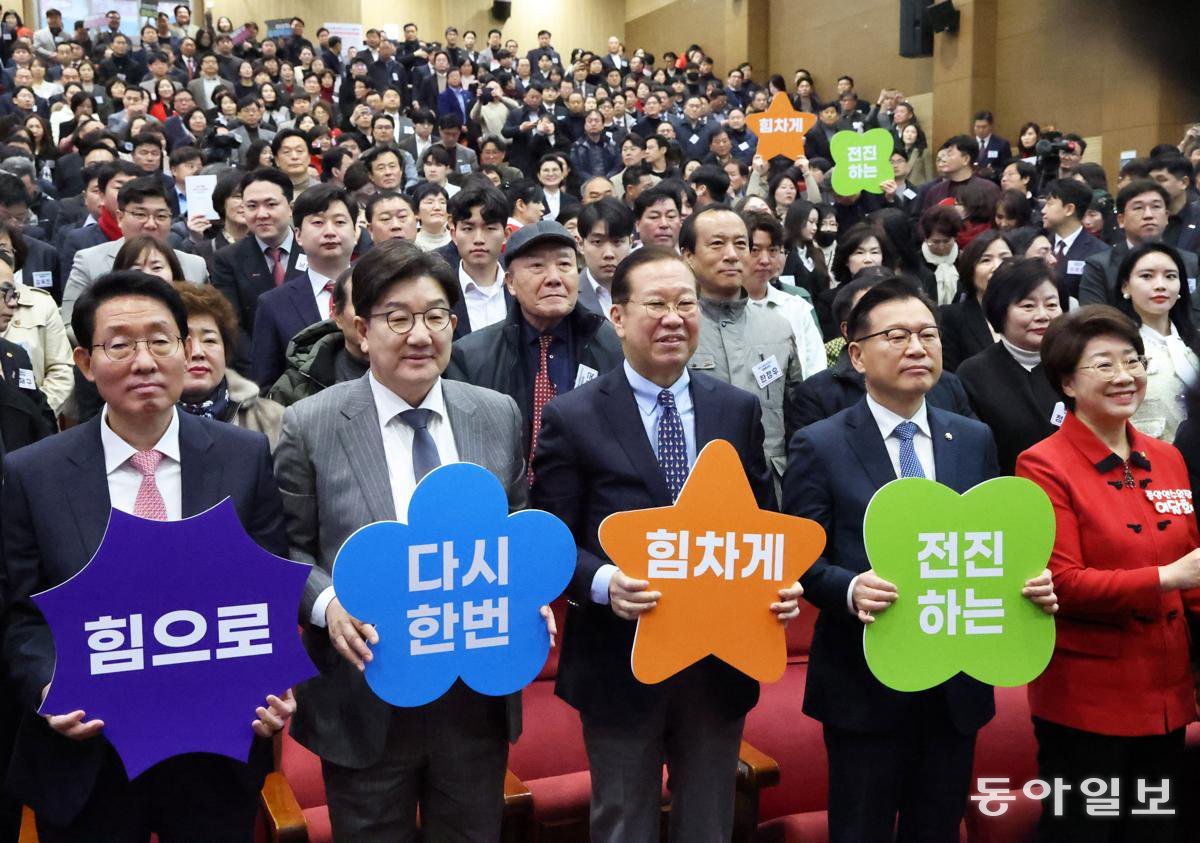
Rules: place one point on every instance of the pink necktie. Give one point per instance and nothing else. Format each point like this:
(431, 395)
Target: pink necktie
(328, 288)
(149, 502)
(277, 268)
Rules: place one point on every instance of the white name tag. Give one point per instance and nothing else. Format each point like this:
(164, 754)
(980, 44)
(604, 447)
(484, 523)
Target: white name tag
(858, 127)
(744, 145)
(43, 279)
(408, 130)
(1059, 415)
(909, 193)
(25, 379)
(302, 263)
(585, 374)
(464, 168)
(1075, 267)
(767, 372)
(993, 153)
(1191, 285)
(694, 139)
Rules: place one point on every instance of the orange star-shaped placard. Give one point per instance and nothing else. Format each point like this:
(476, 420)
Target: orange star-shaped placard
(780, 129)
(719, 562)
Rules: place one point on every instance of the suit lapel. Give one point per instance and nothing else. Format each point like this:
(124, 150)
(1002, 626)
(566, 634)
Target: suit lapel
(866, 443)
(87, 491)
(301, 295)
(362, 444)
(624, 416)
(705, 412)
(200, 471)
(946, 449)
(469, 427)
(977, 323)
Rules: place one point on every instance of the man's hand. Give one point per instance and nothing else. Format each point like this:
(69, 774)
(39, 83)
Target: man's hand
(759, 165)
(72, 725)
(1040, 592)
(275, 715)
(548, 616)
(629, 597)
(198, 225)
(802, 165)
(788, 606)
(349, 635)
(872, 594)
(889, 188)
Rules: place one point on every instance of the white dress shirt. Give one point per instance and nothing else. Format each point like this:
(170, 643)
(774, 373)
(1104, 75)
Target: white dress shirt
(124, 480)
(799, 314)
(397, 452)
(922, 443)
(485, 305)
(324, 297)
(553, 203)
(603, 294)
(1067, 241)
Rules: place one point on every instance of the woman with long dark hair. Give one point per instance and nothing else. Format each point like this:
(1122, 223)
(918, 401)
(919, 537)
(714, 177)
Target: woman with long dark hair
(1154, 294)
(965, 329)
(804, 263)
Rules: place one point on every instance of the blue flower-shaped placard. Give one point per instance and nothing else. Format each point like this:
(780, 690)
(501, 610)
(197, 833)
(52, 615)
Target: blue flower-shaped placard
(173, 634)
(455, 592)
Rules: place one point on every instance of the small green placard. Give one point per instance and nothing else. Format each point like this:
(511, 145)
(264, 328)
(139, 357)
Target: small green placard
(959, 563)
(862, 162)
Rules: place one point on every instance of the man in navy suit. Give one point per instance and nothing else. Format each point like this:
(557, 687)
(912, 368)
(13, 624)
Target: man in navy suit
(889, 752)
(266, 256)
(324, 217)
(994, 152)
(57, 497)
(608, 446)
(1067, 200)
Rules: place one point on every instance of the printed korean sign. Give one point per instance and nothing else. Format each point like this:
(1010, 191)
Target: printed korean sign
(861, 161)
(719, 562)
(455, 592)
(188, 617)
(780, 129)
(959, 564)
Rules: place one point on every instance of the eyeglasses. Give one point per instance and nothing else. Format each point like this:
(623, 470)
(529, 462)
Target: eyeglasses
(120, 349)
(11, 296)
(402, 321)
(162, 217)
(685, 308)
(930, 337)
(1108, 371)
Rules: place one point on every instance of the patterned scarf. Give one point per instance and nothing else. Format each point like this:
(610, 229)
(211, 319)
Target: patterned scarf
(214, 406)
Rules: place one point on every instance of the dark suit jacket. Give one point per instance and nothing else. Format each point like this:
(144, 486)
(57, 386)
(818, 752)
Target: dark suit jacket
(832, 390)
(1016, 404)
(492, 357)
(834, 468)
(1084, 247)
(282, 313)
(42, 257)
(241, 273)
(965, 332)
(816, 145)
(593, 459)
(25, 415)
(1002, 150)
(56, 509)
(447, 103)
(390, 74)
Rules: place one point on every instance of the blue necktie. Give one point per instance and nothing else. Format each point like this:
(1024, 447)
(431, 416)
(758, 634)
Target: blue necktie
(910, 466)
(424, 450)
(672, 447)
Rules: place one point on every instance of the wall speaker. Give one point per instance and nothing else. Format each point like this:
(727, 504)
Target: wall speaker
(943, 17)
(501, 9)
(916, 35)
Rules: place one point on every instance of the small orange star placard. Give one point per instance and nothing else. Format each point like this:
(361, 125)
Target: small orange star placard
(719, 562)
(780, 129)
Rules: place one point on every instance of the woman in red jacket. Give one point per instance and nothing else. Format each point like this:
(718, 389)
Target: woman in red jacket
(1114, 701)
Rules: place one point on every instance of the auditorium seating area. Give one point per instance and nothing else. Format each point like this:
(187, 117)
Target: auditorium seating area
(782, 781)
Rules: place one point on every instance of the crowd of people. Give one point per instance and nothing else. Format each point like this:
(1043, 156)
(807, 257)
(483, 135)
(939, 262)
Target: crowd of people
(575, 270)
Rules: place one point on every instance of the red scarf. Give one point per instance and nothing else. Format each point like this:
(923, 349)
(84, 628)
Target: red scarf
(108, 224)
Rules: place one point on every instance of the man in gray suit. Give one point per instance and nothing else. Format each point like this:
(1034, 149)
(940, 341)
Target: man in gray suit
(142, 210)
(202, 86)
(352, 455)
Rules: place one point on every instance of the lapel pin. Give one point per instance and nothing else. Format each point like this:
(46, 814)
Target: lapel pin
(949, 436)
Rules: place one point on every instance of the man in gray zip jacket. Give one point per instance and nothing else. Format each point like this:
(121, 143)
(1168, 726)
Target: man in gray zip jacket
(747, 347)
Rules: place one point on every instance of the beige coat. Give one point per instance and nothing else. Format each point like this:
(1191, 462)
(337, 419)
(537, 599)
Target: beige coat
(37, 327)
(253, 412)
